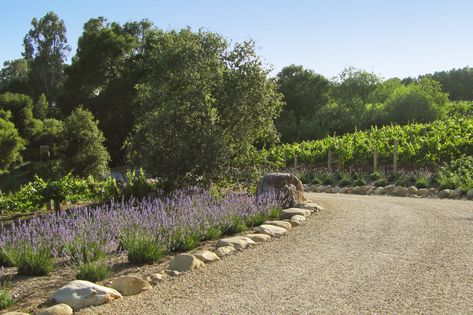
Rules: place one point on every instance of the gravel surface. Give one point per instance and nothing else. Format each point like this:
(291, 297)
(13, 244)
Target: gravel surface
(362, 254)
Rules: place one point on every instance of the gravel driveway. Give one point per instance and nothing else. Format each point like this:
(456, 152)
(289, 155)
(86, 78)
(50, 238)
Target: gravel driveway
(362, 254)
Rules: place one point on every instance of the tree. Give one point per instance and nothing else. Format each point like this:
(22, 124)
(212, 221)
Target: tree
(45, 50)
(14, 76)
(21, 108)
(418, 102)
(305, 93)
(40, 109)
(203, 107)
(11, 144)
(103, 74)
(83, 152)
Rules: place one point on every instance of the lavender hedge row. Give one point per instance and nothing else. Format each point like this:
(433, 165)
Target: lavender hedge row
(176, 222)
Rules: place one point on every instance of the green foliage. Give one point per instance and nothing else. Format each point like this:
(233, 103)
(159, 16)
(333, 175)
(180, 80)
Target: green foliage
(14, 76)
(375, 175)
(93, 271)
(359, 181)
(458, 83)
(40, 109)
(34, 261)
(21, 108)
(6, 300)
(11, 145)
(142, 247)
(138, 186)
(381, 182)
(83, 152)
(212, 233)
(275, 213)
(423, 144)
(422, 182)
(224, 103)
(418, 102)
(345, 180)
(184, 240)
(457, 173)
(327, 179)
(45, 50)
(237, 225)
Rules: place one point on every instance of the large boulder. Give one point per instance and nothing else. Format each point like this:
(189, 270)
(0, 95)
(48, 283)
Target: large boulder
(79, 293)
(185, 262)
(58, 309)
(288, 188)
(130, 285)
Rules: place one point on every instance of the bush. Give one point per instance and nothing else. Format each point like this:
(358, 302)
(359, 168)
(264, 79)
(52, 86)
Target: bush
(327, 179)
(142, 247)
(182, 240)
(138, 186)
(275, 212)
(458, 173)
(359, 182)
(422, 182)
(6, 299)
(93, 271)
(237, 225)
(11, 145)
(83, 152)
(34, 261)
(212, 233)
(345, 180)
(381, 182)
(375, 175)
(7, 255)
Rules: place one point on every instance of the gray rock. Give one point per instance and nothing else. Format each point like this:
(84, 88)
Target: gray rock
(58, 309)
(337, 190)
(185, 262)
(422, 191)
(363, 190)
(412, 190)
(238, 242)
(224, 251)
(79, 293)
(469, 194)
(349, 190)
(389, 190)
(272, 230)
(456, 193)
(443, 193)
(288, 188)
(319, 188)
(312, 206)
(378, 191)
(155, 278)
(401, 191)
(284, 224)
(174, 273)
(297, 220)
(288, 213)
(130, 285)
(258, 237)
(206, 256)
(328, 189)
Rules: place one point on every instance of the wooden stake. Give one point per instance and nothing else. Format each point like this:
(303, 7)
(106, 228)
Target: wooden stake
(395, 156)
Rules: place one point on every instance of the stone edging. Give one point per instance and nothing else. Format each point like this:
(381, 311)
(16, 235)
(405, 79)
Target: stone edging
(76, 294)
(393, 190)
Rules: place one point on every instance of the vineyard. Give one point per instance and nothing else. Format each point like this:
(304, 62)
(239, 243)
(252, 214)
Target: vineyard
(424, 145)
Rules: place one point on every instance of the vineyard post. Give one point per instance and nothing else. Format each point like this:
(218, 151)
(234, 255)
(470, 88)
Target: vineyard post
(295, 160)
(329, 160)
(375, 161)
(395, 156)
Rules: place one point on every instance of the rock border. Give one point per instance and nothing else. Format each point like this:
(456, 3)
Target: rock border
(187, 262)
(393, 190)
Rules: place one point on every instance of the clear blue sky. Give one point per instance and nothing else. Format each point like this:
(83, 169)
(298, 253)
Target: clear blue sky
(389, 37)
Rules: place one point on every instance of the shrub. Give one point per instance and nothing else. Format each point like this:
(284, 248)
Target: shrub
(422, 182)
(142, 247)
(316, 181)
(256, 219)
(6, 299)
(34, 261)
(345, 180)
(93, 271)
(137, 186)
(375, 175)
(7, 255)
(237, 225)
(212, 233)
(458, 173)
(327, 179)
(182, 240)
(275, 212)
(359, 182)
(381, 182)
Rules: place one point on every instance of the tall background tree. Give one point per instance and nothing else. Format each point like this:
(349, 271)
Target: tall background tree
(45, 50)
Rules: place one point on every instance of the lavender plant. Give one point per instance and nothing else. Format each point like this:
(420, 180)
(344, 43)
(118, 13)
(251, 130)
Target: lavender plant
(145, 230)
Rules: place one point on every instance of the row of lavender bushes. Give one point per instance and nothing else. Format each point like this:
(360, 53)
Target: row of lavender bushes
(145, 230)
